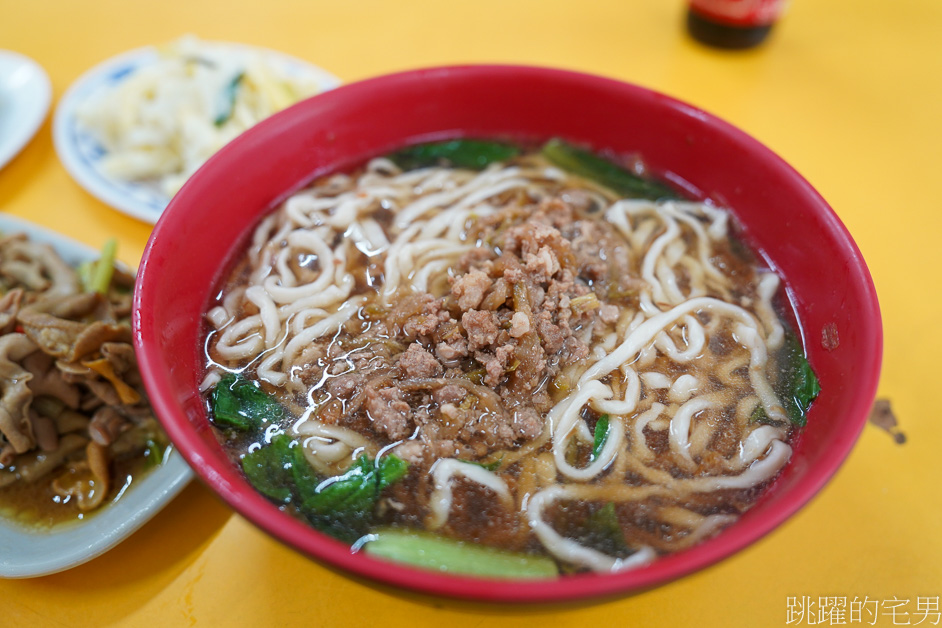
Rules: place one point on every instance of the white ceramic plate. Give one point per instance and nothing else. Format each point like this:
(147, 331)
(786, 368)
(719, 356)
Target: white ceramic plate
(81, 154)
(25, 553)
(25, 94)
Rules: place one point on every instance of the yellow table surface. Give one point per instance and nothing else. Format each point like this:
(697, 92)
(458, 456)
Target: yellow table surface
(847, 91)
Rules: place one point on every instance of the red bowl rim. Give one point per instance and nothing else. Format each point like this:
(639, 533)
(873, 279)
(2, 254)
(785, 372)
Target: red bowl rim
(245, 501)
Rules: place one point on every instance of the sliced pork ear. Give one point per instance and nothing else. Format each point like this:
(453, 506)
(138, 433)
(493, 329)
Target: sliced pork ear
(67, 339)
(106, 425)
(9, 308)
(71, 397)
(48, 380)
(110, 373)
(105, 393)
(126, 393)
(15, 424)
(24, 273)
(97, 457)
(121, 299)
(37, 267)
(45, 431)
(95, 335)
(56, 326)
(74, 307)
(36, 465)
(53, 334)
(122, 358)
(73, 372)
(7, 456)
(102, 391)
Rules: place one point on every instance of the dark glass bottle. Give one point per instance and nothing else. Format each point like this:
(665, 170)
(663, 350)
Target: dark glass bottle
(733, 24)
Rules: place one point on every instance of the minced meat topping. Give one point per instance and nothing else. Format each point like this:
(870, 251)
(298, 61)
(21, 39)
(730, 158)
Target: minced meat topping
(472, 370)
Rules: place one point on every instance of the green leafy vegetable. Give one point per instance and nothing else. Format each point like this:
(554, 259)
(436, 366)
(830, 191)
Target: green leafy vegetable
(604, 521)
(605, 518)
(303, 477)
(227, 97)
(342, 505)
(591, 166)
(473, 154)
(269, 469)
(430, 551)
(392, 468)
(240, 404)
(85, 271)
(154, 454)
(490, 466)
(355, 489)
(799, 384)
(601, 434)
(759, 415)
(476, 375)
(604, 532)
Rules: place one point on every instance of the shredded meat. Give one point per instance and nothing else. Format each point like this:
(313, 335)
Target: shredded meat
(9, 307)
(15, 424)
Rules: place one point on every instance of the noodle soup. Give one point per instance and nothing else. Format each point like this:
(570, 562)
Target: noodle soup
(511, 363)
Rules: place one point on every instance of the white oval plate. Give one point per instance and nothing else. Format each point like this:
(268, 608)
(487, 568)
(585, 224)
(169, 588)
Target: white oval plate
(81, 154)
(25, 94)
(25, 553)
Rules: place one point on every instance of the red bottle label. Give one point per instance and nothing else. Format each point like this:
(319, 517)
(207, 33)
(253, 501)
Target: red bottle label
(739, 12)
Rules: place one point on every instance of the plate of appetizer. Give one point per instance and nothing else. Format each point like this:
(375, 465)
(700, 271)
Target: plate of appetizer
(132, 129)
(83, 461)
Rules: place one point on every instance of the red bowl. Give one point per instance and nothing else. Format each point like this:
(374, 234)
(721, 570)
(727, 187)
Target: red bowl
(210, 218)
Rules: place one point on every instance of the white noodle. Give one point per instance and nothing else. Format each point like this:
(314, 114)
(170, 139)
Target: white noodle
(445, 471)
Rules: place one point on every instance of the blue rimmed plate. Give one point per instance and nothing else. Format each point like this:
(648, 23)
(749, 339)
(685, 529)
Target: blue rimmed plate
(81, 154)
